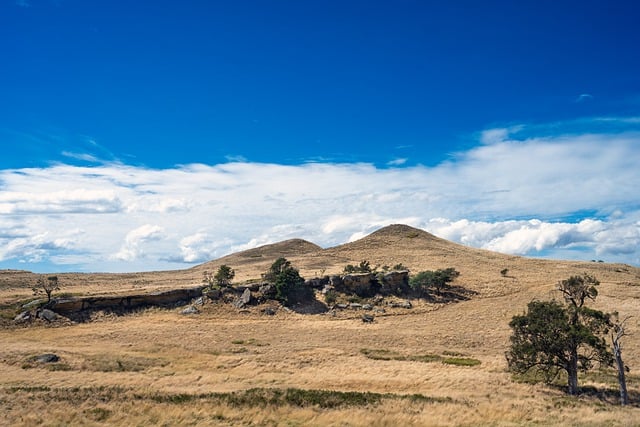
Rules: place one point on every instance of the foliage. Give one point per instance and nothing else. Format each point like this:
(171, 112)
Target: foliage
(424, 281)
(46, 286)
(289, 284)
(224, 276)
(221, 278)
(553, 338)
(331, 297)
(363, 267)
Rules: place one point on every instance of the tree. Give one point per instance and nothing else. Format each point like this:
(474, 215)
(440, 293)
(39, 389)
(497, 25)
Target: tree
(289, 284)
(438, 279)
(363, 267)
(553, 337)
(46, 286)
(224, 275)
(618, 332)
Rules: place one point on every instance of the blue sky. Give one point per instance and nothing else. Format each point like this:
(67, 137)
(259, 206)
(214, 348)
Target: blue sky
(146, 135)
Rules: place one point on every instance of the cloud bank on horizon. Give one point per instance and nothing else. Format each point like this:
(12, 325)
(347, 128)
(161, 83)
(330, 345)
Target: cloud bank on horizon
(523, 190)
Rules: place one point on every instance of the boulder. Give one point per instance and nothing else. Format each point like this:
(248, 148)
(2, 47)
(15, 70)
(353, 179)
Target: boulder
(402, 304)
(367, 307)
(190, 310)
(47, 358)
(23, 317)
(33, 304)
(244, 300)
(317, 282)
(269, 311)
(367, 318)
(48, 315)
(355, 306)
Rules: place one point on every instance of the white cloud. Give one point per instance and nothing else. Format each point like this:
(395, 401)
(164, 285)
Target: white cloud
(513, 194)
(397, 162)
(583, 97)
(132, 247)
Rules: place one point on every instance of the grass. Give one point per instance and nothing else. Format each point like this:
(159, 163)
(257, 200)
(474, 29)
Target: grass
(254, 397)
(382, 354)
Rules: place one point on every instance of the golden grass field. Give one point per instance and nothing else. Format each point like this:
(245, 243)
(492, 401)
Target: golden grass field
(158, 367)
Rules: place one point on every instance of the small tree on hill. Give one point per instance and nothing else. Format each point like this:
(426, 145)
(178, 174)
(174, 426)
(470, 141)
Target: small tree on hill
(289, 284)
(552, 337)
(46, 286)
(224, 276)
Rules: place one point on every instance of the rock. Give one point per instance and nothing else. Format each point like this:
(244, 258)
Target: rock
(25, 316)
(367, 318)
(341, 306)
(246, 297)
(48, 315)
(47, 358)
(244, 300)
(268, 290)
(190, 310)
(213, 294)
(367, 307)
(317, 282)
(364, 285)
(355, 306)
(199, 301)
(402, 304)
(379, 310)
(395, 283)
(33, 304)
(270, 311)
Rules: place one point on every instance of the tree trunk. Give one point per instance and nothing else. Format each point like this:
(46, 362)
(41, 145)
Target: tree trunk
(617, 351)
(572, 373)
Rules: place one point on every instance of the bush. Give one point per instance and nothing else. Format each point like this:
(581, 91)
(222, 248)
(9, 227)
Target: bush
(289, 284)
(424, 281)
(331, 297)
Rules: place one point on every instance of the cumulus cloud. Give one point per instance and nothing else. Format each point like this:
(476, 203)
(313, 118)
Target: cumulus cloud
(567, 195)
(133, 242)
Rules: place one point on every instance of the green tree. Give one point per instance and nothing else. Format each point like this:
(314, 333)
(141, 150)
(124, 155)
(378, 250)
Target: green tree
(552, 337)
(424, 281)
(46, 286)
(289, 284)
(363, 267)
(224, 276)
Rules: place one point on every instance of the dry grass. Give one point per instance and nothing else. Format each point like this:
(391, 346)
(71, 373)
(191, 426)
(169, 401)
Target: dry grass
(124, 370)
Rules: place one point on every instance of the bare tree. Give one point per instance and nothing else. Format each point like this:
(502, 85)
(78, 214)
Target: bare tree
(46, 286)
(617, 333)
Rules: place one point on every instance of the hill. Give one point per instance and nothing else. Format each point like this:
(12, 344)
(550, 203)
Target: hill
(161, 367)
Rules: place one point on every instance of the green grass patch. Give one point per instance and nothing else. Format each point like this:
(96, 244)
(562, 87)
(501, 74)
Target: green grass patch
(250, 341)
(120, 363)
(263, 397)
(255, 397)
(383, 354)
(460, 361)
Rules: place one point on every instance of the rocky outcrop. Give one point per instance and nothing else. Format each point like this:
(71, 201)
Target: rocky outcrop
(364, 285)
(70, 306)
(394, 283)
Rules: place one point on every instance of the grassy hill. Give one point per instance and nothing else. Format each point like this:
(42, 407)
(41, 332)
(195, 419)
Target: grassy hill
(157, 366)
